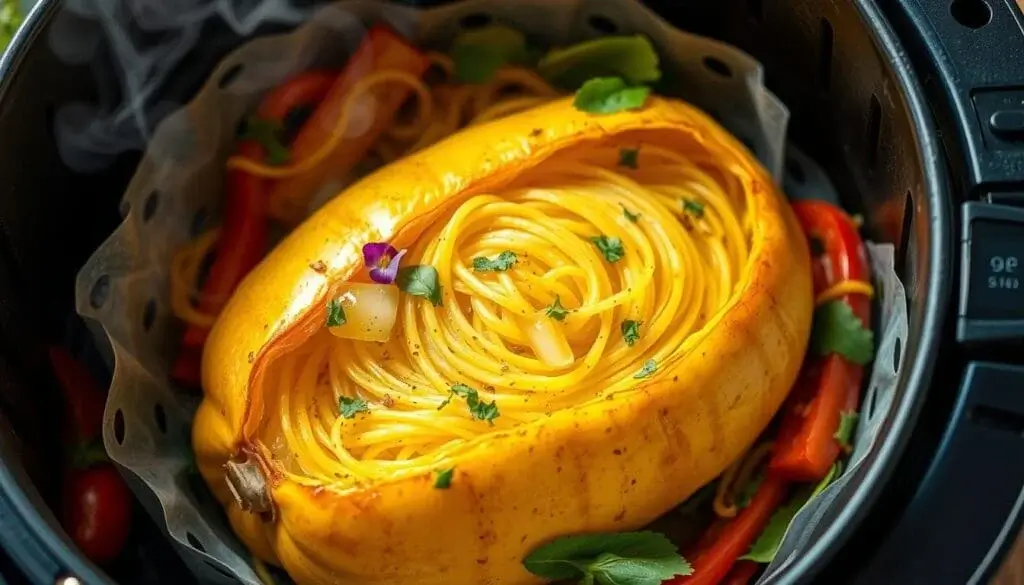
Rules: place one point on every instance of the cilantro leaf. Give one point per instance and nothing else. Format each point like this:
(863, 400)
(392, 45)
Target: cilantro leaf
(479, 53)
(632, 58)
(633, 217)
(847, 425)
(480, 410)
(694, 208)
(629, 157)
(628, 558)
(650, 366)
(631, 331)
(608, 95)
(350, 407)
(335, 313)
(837, 330)
(610, 247)
(767, 544)
(270, 135)
(556, 311)
(443, 480)
(504, 261)
(420, 281)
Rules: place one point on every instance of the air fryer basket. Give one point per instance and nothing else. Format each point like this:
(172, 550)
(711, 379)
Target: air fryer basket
(854, 101)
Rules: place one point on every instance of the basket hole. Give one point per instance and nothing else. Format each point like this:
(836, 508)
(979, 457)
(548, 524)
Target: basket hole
(756, 9)
(192, 540)
(230, 75)
(119, 427)
(869, 408)
(199, 221)
(149, 314)
(149, 207)
(100, 292)
(476, 20)
(896, 352)
(874, 129)
(160, 417)
(716, 65)
(796, 171)
(602, 24)
(971, 13)
(221, 570)
(908, 225)
(826, 42)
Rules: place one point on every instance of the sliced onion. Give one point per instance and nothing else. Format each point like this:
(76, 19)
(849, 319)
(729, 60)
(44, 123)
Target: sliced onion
(370, 312)
(548, 342)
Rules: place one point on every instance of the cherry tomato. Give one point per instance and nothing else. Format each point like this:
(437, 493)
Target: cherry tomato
(97, 511)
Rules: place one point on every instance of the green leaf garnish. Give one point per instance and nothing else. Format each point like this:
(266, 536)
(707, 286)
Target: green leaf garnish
(335, 313)
(633, 217)
(556, 311)
(650, 366)
(479, 53)
(504, 261)
(10, 20)
(350, 407)
(627, 558)
(480, 410)
(420, 281)
(631, 331)
(632, 58)
(610, 247)
(847, 424)
(628, 157)
(837, 330)
(270, 135)
(608, 95)
(694, 208)
(767, 544)
(444, 479)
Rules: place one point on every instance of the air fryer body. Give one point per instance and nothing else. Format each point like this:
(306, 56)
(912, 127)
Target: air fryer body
(906, 149)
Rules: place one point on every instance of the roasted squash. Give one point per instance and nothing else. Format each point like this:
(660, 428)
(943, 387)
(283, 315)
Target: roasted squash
(607, 465)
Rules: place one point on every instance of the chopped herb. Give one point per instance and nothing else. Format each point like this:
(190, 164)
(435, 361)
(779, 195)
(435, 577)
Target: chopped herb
(633, 217)
(626, 558)
(335, 313)
(609, 95)
(444, 479)
(694, 208)
(479, 53)
(270, 135)
(837, 330)
(556, 311)
(631, 57)
(610, 247)
(629, 157)
(650, 366)
(350, 407)
(420, 281)
(767, 544)
(480, 410)
(847, 424)
(504, 261)
(10, 20)
(631, 331)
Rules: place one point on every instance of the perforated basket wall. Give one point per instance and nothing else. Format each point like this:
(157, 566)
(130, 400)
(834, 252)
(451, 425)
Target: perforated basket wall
(176, 193)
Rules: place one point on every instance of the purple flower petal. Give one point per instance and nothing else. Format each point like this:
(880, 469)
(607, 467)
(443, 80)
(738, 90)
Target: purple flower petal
(378, 254)
(387, 274)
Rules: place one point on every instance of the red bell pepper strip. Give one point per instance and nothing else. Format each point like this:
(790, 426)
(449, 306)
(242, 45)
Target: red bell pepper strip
(96, 511)
(732, 539)
(243, 238)
(742, 573)
(382, 50)
(806, 447)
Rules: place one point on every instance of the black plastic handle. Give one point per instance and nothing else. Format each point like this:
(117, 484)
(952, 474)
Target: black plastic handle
(966, 512)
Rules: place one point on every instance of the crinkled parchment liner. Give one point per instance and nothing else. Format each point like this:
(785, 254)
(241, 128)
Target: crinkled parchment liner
(123, 288)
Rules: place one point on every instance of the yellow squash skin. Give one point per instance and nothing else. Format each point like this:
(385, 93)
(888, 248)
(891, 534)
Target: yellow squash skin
(608, 465)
